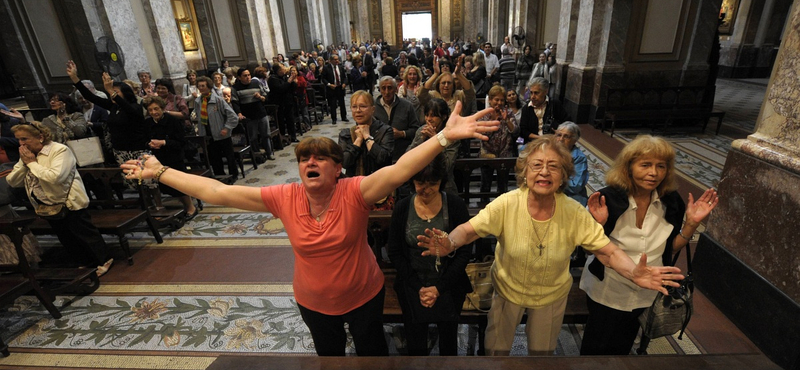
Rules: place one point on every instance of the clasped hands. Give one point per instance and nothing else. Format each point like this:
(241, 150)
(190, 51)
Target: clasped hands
(428, 296)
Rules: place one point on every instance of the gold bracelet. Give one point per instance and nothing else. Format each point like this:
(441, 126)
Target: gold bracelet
(160, 172)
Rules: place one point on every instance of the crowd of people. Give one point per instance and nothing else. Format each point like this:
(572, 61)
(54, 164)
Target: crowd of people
(415, 111)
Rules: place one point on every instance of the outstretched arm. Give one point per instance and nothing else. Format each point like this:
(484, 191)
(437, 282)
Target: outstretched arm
(209, 190)
(648, 277)
(382, 182)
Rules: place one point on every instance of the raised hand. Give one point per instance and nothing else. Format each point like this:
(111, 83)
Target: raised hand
(434, 239)
(72, 71)
(597, 207)
(655, 278)
(134, 168)
(469, 127)
(13, 113)
(108, 82)
(436, 69)
(696, 211)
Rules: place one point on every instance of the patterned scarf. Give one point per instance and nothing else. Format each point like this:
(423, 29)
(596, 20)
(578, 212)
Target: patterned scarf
(204, 110)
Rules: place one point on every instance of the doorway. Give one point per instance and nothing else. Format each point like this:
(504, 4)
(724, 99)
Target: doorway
(417, 26)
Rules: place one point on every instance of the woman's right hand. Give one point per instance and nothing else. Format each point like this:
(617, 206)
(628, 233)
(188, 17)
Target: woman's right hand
(436, 69)
(597, 207)
(136, 169)
(108, 83)
(72, 71)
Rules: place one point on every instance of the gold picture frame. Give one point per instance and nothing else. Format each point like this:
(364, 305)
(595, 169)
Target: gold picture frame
(188, 37)
(727, 16)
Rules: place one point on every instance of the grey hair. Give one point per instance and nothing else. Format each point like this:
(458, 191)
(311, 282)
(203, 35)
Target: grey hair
(141, 71)
(540, 81)
(403, 53)
(89, 85)
(572, 127)
(362, 49)
(387, 78)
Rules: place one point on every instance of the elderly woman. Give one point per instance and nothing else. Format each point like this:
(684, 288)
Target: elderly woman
(146, 87)
(442, 86)
(336, 276)
(568, 134)
(176, 106)
(167, 142)
(642, 212)
(429, 289)
(216, 119)
(542, 115)
(537, 228)
(68, 122)
(500, 143)
(47, 171)
(190, 89)
(369, 144)
(436, 113)
(129, 133)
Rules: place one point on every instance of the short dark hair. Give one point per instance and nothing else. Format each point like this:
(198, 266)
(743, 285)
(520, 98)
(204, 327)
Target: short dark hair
(434, 171)
(240, 71)
(70, 106)
(206, 79)
(166, 82)
(321, 146)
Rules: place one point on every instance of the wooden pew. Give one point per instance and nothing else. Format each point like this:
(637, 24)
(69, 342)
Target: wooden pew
(651, 362)
(111, 212)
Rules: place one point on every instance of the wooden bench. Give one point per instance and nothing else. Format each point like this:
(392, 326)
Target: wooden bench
(660, 107)
(651, 362)
(576, 311)
(111, 212)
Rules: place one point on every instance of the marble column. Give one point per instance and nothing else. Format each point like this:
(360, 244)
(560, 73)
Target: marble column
(341, 21)
(276, 33)
(387, 15)
(748, 261)
(166, 40)
(263, 30)
(445, 16)
(565, 52)
(125, 31)
(362, 21)
(475, 19)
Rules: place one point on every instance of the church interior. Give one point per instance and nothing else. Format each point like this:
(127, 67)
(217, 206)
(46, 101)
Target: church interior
(217, 291)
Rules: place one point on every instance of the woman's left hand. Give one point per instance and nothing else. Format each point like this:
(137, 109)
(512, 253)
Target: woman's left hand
(696, 211)
(655, 277)
(469, 127)
(108, 83)
(26, 155)
(434, 239)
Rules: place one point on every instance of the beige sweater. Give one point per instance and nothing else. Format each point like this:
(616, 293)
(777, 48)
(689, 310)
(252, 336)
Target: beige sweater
(53, 167)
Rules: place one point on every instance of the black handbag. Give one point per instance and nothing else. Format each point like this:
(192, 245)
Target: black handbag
(670, 313)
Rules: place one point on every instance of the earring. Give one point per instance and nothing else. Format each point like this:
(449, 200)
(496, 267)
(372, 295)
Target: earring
(41, 141)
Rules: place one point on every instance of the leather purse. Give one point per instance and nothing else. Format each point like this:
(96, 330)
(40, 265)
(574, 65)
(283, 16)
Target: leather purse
(670, 313)
(480, 276)
(56, 211)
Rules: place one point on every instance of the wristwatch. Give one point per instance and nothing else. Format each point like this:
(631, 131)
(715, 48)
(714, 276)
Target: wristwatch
(370, 138)
(442, 140)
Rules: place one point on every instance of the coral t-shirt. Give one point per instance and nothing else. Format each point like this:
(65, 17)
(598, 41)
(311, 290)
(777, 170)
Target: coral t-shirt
(335, 270)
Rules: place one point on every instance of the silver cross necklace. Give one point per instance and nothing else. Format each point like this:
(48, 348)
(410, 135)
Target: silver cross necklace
(541, 239)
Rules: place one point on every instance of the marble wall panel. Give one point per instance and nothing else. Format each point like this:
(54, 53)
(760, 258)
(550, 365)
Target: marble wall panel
(166, 38)
(277, 33)
(445, 17)
(570, 11)
(757, 217)
(387, 14)
(205, 23)
(125, 30)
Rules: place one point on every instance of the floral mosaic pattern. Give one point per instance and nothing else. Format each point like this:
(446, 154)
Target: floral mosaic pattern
(231, 225)
(230, 324)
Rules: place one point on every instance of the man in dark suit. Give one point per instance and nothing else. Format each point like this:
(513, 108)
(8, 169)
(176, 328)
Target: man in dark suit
(335, 79)
(414, 49)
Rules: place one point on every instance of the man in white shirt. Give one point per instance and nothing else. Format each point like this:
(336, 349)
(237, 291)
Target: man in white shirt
(492, 63)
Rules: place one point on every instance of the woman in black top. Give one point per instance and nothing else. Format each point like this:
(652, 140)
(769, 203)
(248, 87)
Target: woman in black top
(167, 142)
(129, 133)
(429, 289)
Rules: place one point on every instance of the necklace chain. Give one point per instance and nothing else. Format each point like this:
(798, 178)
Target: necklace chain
(429, 219)
(546, 230)
(323, 211)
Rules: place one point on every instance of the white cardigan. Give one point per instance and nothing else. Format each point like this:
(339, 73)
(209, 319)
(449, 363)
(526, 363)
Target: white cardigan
(53, 167)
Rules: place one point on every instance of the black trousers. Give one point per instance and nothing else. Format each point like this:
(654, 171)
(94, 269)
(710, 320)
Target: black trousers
(417, 337)
(218, 149)
(336, 99)
(366, 327)
(286, 121)
(80, 237)
(609, 331)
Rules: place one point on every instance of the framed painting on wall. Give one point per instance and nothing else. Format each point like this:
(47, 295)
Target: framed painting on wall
(727, 15)
(187, 36)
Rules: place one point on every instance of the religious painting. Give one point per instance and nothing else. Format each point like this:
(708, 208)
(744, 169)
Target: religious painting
(187, 36)
(727, 15)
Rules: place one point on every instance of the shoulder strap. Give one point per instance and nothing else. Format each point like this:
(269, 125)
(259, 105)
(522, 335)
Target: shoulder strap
(445, 214)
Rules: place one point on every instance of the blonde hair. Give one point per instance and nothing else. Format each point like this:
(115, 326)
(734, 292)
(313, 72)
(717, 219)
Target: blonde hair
(479, 59)
(34, 129)
(620, 175)
(364, 94)
(543, 143)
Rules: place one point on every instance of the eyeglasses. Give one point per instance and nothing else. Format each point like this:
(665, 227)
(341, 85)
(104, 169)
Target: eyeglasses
(358, 108)
(563, 136)
(538, 166)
